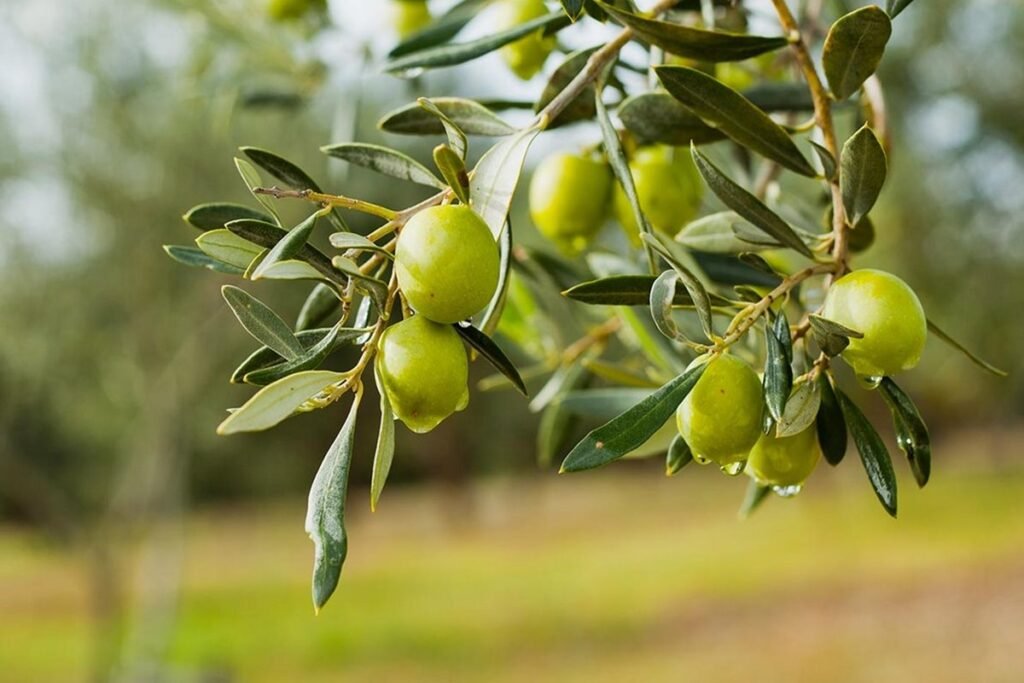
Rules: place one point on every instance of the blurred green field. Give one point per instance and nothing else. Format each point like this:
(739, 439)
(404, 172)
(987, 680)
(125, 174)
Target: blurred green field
(621, 575)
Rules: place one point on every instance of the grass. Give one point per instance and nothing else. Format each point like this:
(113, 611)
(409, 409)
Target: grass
(620, 575)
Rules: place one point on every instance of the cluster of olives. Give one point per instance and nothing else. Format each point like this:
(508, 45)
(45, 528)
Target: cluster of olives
(722, 418)
(447, 266)
(572, 195)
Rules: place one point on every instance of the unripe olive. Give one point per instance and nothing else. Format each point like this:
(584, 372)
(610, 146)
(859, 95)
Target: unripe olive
(425, 372)
(447, 263)
(886, 311)
(569, 199)
(720, 419)
(285, 10)
(526, 56)
(669, 188)
(409, 16)
(784, 462)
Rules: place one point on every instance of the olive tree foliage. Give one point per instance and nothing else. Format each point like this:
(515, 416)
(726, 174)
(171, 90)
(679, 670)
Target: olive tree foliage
(786, 131)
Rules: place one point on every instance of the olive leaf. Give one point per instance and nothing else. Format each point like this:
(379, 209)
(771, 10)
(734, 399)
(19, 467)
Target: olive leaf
(215, 215)
(911, 432)
(496, 176)
(830, 423)
(459, 53)
(679, 456)
(778, 370)
(894, 7)
(262, 323)
(227, 247)
(325, 514)
(351, 240)
(442, 29)
(290, 269)
(267, 235)
(265, 357)
(853, 49)
(983, 364)
(695, 43)
(288, 247)
(290, 174)
(625, 290)
(278, 401)
(487, 321)
(632, 428)
(694, 287)
(384, 160)
(384, 453)
(582, 106)
(657, 117)
(310, 359)
(730, 112)
(832, 337)
(453, 169)
(828, 162)
(456, 136)
(492, 353)
(729, 270)
(714, 234)
(747, 205)
(800, 411)
(471, 117)
(873, 453)
(863, 169)
(573, 8)
(322, 303)
(663, 293)
(556, 421)
(756, 495)
(251, 178)
(195, 257)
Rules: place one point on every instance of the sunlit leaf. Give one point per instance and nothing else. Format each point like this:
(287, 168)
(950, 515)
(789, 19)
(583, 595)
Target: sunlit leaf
(195, 257)
(496, 176)
(384, 160)
(278, 401)
(755, 496)
(471, 117)
(694, 287)
(262, 323)
(310, 359)
(290, 175)
(288, 248)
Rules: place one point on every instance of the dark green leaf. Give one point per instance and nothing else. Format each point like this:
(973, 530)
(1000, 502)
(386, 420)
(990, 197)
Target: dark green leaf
(729, 270)
(725, 109)
(873, 453)
(830, 423)
(262, 323)
(310, 359)
(679, 456)
(385, 450)
(251, 177)
(748, 206)
(442, 29)
(264, 356)
(695, 43)
(193, 256)
(384, 160)
(624, 290)
(755, 496)
(984, 365)
(472, 117)
(216, 215)
(289, 174)
(573, 8)
(911, 431)
(853, 48)
(863, 169)
(268, 235)
(492, 353)
(828, 162)
(894, 7)
(657, 117)
(780, 97)
(453, 168)
(778, 371)
(289, 246)
(632, 428)
(325, 516)
(699, 295)
(582, 106)
(459, 53)
(832, 337)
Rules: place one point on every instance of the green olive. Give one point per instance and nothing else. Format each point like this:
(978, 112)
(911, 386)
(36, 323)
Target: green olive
(409, 16)
(569, 199)
(720, 418)
(425, 372)
(784, 462)
(669, 188)
(287, 10)
(447, 263)
(886, 311)
(526, 56)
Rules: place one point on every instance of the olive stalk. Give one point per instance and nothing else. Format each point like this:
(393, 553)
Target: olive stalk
(330, 200)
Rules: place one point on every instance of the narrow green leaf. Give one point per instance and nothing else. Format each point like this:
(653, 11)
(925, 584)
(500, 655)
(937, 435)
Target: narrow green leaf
(492, 353)
(582, 106)
(459, 53)
(603, 403)
(801, 409)
(778, 371)
(325, 515)
(496, 176)
(873, 453)
(830, 423)
(310, 359)
(278, 401)
(471, 117)
(894, 7)
(216, 215)
(487, 322)
(321, 304)
(984, 365)
(262, 323)
(624, 290)
(251, 178)
(289, 174)
(832, 337)
(573, 8)
(714, 234)
(694, 43)
(227, 247)
(853, 48)
(657, 117)
(911, 431)
(384, 160)
(442, 29)
(748, 206)
(730, 112)
(456, 136)
(268, 235)
(679, 456)
(385, 450)
(633, 427)
(729, 270)
(453, 169)
(755, 496)
(292, 269)
(863, 169)
(828, 162)
(195, 257)
(663, 293)
(694, 287)
(374, 288)
(351, 240)
(289, 246)
(264, 357)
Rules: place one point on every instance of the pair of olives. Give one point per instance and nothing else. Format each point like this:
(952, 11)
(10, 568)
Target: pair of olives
(447, 266)
(571, 196)
(721, 418)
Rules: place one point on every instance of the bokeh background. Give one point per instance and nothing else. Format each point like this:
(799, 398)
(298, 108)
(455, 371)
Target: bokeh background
(137, 546)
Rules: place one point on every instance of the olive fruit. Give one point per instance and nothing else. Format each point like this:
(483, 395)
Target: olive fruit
(424, 369)
(409, 16)
(786, 461)
(286, 10)
(569, 197)
(669, 188)
(526, 56)
(720, 419)
(886, 311)
(447, 263)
